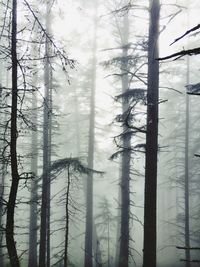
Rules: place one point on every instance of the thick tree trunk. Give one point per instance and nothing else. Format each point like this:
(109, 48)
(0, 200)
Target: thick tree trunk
(32, 262)
(149, 255)
(11, 244)
(125, 171)
(88, 262)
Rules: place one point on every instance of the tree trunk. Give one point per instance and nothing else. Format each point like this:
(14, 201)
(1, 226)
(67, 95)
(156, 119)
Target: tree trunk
(118, 227)
(150, 199)
(49, 180)
(187, 184)
(11, 244)
(88, 262)
(67, 219)
(186, 189)
(125, 171)
(95, 242)
(44, 251)
(34, 189)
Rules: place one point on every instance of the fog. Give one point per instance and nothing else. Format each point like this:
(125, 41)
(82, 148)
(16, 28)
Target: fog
(94, 169)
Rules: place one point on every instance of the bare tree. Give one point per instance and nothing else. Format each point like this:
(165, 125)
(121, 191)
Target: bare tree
(150, 201)
(11, 245)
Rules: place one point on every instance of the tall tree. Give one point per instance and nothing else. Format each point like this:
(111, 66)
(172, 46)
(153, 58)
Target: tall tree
(150, 198)
(11, 244)
(44, 251)
(126, 155)
(186, 184)
(88, 261)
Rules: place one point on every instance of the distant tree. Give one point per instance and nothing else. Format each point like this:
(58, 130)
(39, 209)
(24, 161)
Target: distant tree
(44, 251)
(88, 260)
(33, 225)
(132, 93)
(104, 222)
(126, 155)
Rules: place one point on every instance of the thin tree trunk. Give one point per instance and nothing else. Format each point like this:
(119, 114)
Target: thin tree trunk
(76, 107)
(125, 171)
(95, 243)
(187, 185)
(96, 247)
(186, 189)
(118, 228)
(11, 244)
(88, 262)
(108, 241)
(150, 201)
(34, 189)
(49, 180)
(44, 251)
(67, 219)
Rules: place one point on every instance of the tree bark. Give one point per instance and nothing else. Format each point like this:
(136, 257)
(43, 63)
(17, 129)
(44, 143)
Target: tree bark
(150, 199)
(11, 244)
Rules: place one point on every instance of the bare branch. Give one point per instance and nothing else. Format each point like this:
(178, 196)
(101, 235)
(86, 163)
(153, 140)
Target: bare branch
(186, 33)
(189, 52)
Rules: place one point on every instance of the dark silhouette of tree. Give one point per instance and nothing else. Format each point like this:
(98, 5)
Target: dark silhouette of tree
(11, 245)
(150, 200)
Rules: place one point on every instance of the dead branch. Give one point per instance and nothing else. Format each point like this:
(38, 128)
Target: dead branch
(189, 52)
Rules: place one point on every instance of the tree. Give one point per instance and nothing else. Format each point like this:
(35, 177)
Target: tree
(105, 220)
(150, 198)
(88, 261)
(34, 187)
(126, 155)
(186, 189)
(11, 246)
